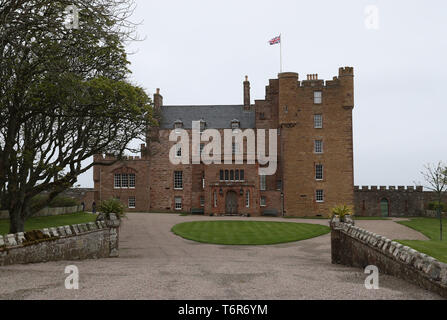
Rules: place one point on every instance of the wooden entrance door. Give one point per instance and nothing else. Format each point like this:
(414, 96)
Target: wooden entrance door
(231, 203)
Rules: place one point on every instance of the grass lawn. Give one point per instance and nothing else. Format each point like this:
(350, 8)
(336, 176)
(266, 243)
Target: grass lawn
(248, 232)
(52, 221)
(430, 228)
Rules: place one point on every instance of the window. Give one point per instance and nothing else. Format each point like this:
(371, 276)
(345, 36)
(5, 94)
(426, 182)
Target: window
(215, 199)
(178, 180)
(247, 199)
(319, 196)
(318, 146)
(203, 180)
(231, 175)
(235, 148)
(178, 203)
(178, 125)
(117, 180)
(319, 172)
(262, 182)
(202, 145)
(124, 180)
(178, 152)
(202, 201)
(318, 121)
(318, 97)
(278, 185)
(221, 175)
(131, 203)
(263, 201)
(202, 126)
(131, 180)
(235, 125)
(262, 115)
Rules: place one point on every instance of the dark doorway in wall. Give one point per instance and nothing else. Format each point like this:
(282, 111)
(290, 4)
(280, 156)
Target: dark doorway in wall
(231, 203)
(385, 207)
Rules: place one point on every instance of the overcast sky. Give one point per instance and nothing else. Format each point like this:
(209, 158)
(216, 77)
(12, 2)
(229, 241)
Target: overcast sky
(198, 52)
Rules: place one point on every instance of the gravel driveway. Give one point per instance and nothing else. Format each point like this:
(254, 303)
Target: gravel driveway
(156, 264)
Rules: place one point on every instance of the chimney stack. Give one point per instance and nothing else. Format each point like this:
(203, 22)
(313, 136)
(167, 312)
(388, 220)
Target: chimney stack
(246, 94)
(158, 99)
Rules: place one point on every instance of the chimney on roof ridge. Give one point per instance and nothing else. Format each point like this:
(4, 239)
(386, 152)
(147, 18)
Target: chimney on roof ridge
(158, 99)
(246, 94)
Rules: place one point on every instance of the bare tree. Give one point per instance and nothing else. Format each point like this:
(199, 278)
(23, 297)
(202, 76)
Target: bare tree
(436, 177)
(64, 96)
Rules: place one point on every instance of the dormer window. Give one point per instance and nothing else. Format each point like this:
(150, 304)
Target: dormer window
(235, 124)
(202, 125)
(178, 124)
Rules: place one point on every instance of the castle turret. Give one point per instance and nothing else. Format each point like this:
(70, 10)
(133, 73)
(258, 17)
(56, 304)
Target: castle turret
(346, 77)
(288, 84)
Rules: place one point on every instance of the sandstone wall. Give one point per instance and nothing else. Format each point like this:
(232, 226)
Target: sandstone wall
(356, 247)
(4, 215)
(402, 201)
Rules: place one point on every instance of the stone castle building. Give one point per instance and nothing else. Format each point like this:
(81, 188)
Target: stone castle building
(314, 172)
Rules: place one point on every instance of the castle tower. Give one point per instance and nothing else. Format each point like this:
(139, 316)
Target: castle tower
(315, 122)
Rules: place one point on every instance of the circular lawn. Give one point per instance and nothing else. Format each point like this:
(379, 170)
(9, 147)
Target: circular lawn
(248, 232)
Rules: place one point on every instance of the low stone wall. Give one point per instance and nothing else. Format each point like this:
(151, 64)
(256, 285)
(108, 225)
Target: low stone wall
(81, 241)
(433, 214)
(356, 247)
(4, 215)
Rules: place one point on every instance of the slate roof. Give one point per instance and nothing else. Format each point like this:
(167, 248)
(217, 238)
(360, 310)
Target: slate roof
(216, 117)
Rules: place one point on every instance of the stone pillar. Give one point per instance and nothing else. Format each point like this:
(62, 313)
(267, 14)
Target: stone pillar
(113, 222)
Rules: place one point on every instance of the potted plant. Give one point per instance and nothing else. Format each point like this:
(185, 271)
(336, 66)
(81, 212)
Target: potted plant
(107, 207)
(342, 211)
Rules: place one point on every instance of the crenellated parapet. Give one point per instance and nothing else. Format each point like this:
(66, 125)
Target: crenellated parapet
(98, 158)
(390, 188)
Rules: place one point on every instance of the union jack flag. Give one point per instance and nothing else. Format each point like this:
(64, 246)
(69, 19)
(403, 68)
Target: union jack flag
(275, 40)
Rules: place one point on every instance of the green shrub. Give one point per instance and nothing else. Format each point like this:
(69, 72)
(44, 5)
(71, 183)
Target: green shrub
(434, 205)
(58, 202)
(61, 202)
(112, 206)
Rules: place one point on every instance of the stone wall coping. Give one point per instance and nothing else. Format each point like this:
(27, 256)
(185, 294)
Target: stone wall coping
(433, 269)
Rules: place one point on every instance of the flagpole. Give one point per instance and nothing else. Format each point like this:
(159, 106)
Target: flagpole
(280, 53)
